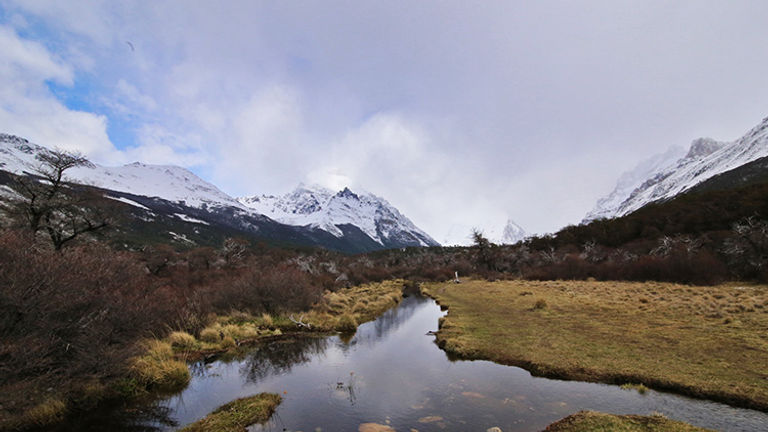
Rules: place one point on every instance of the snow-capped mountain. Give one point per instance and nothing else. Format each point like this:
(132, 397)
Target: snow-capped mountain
(168, 182)
(705, 158)
(166, 195)
(512, 234)
(461, 235)
(321, 208)
(629, 181)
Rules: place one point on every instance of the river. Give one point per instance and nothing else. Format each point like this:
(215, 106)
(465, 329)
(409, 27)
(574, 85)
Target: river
(392, 372)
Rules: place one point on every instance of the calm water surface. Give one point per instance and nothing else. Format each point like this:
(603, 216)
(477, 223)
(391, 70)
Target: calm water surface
(391, 372)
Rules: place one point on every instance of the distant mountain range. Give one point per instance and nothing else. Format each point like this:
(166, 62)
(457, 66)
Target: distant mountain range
(668, 175)
(165, 199)
(324, 209)
(509, 233)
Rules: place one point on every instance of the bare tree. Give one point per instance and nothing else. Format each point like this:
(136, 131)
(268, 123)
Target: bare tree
(48, 204)
(747, 248)
(234, 250)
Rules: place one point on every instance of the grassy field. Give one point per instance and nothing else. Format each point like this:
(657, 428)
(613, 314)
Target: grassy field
(237, 415)
(709, 342)
(589, 421)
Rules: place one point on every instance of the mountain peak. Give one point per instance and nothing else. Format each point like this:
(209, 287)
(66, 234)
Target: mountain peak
(320, 208)
(513, 233)
(169, 182)
(703, 147)
(346, 193)
(705, 159)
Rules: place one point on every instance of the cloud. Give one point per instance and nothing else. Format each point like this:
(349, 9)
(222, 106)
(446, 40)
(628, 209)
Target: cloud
(28, 63)
(460, 115)
(30, 110)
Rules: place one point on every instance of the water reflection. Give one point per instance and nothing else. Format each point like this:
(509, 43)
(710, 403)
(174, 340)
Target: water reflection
(149, 418)
(391, 372)
(278, 358)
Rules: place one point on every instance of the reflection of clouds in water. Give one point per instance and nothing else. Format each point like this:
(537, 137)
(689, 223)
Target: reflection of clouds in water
(278, 358)
(372, 332)
(392, 370)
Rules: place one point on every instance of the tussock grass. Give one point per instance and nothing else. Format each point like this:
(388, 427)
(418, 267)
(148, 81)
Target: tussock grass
(210, 335)
(182, 340)
(677, 339)
(639, 387)
(159, 369)
(45, 413)
(237, 415)
(590, 421)
(342, 311)
(345, 309)
(346, 323)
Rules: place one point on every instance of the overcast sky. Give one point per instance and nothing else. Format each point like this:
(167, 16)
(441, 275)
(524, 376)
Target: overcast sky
(460, 113)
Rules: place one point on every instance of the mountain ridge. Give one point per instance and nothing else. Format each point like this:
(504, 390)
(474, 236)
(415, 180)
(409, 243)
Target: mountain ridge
(360, 223)
(706, 158)
(320, 207)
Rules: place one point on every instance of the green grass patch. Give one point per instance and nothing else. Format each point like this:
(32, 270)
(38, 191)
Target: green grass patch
(590, 421)
(666, 336)
(237, 415)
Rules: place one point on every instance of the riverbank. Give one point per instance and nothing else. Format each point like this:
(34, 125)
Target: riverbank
(338, 311)
(705, 342)
(162, 366)
(237, 415)
(590, 421)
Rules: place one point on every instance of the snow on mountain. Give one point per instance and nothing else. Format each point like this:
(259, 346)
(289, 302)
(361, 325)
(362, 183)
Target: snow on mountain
(512, 234)
(168, 182)
(705, 159)
(629, 181)
(461, 234)
(321, 208)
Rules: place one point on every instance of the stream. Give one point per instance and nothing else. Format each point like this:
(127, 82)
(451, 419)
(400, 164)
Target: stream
(391, 372)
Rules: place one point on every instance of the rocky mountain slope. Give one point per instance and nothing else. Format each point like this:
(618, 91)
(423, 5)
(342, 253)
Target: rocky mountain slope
(705, 159)
(175, 200)
(321, 208)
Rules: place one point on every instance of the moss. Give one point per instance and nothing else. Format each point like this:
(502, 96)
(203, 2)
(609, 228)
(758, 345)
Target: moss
(590, 421)
(237, 415)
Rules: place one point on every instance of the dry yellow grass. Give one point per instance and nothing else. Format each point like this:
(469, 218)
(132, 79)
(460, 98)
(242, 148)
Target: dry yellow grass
(48, 412)
(709, 342)
(345, 309)
(159, 369)
(237, 415)
(182, 340)
(590, 421)
(342, 310)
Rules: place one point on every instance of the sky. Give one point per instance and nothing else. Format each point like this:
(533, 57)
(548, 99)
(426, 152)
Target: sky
(461, 114)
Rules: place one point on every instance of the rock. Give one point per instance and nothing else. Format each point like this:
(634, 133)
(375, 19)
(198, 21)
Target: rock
(430, 419)
(374, 427)
(494, 429)
(473, 394)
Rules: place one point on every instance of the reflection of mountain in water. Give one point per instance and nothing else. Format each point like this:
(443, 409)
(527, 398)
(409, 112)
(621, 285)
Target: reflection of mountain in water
(279, 357)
